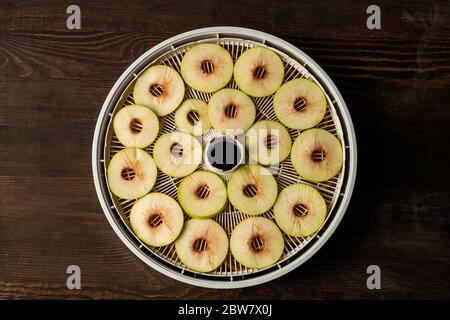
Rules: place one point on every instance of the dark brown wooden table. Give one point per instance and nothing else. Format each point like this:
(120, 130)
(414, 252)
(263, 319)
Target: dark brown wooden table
(396, 82)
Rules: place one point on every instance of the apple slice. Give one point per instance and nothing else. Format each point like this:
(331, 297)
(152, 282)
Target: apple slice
(136, 126)
(317, 155)
(300, 104)
(192, 117)
(231, 111)
(256, 243)
(268, 142)
(259, 72)
(156, 219)
(207, 67)
(177, 154)
(131, 173)
(203, 245)
(202, 194)
(300, 210)
(252, 189)
(160, 88)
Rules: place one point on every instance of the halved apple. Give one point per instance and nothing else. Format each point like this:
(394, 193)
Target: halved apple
(202, 194)
(317, 155)
(256, 243)
(231, 111)
(252, 189)
(177, 154)
(207, 67)
(300, 210)
(192, 116)
(300, 104)
(131, 173)
(156, 219)
(203, 245)
(268, 142)
(136, 126)
(160, 88)
(259, 72)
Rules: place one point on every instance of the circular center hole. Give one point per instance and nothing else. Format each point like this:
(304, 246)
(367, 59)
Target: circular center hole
(260, 72)
(300, 104)
(270, 141)
(257, 243)
(250, 190)
(136, 126)
(202, 192)
(193, 117)
(155, 220)
(231, 111)
(177, 150)
(318, 155)
(207, 66)
(300, 210)
(223, 153)
(200, 245)
(156, 90)
(128, 174)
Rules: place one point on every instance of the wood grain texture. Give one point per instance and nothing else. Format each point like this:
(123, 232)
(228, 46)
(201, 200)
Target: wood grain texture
(395, 81)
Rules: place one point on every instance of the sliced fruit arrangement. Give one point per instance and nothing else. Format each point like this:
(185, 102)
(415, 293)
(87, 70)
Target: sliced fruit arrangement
(252, 189)
(256, 243)
(177, 154)
(300, 104)
(156, 219)
(192, 116)
(207, 67)
(259, 72)
(300, 210)
(268, 142)
(203, 245)
(160, 88)
(136, 126)
(202, 194)
(231, 110)
(131, 173)
(317, 155)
